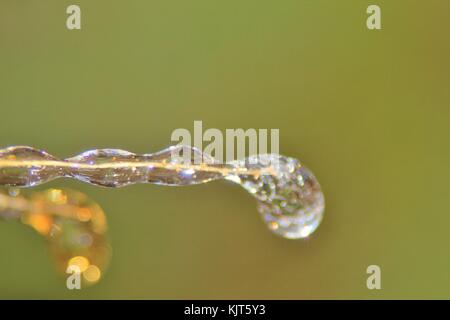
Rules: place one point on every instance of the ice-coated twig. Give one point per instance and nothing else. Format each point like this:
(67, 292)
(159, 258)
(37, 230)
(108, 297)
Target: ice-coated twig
(289, 197)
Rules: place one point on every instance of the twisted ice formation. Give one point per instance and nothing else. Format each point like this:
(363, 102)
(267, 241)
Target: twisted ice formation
(289, 197)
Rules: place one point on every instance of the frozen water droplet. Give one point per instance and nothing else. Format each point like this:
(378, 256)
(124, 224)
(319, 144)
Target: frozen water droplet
(289, 197)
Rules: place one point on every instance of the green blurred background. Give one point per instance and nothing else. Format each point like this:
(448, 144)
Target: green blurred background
(367, 111)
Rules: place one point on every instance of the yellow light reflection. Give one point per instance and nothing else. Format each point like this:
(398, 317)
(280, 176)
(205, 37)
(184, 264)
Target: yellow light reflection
(42, 223)
(92, 274)
(57, 196)
(81, 262)
(84, 214)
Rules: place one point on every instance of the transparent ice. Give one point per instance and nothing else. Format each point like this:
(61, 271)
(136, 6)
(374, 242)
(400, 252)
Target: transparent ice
(289, 197)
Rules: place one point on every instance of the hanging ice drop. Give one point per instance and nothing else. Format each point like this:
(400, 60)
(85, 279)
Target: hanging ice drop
(289, 197)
